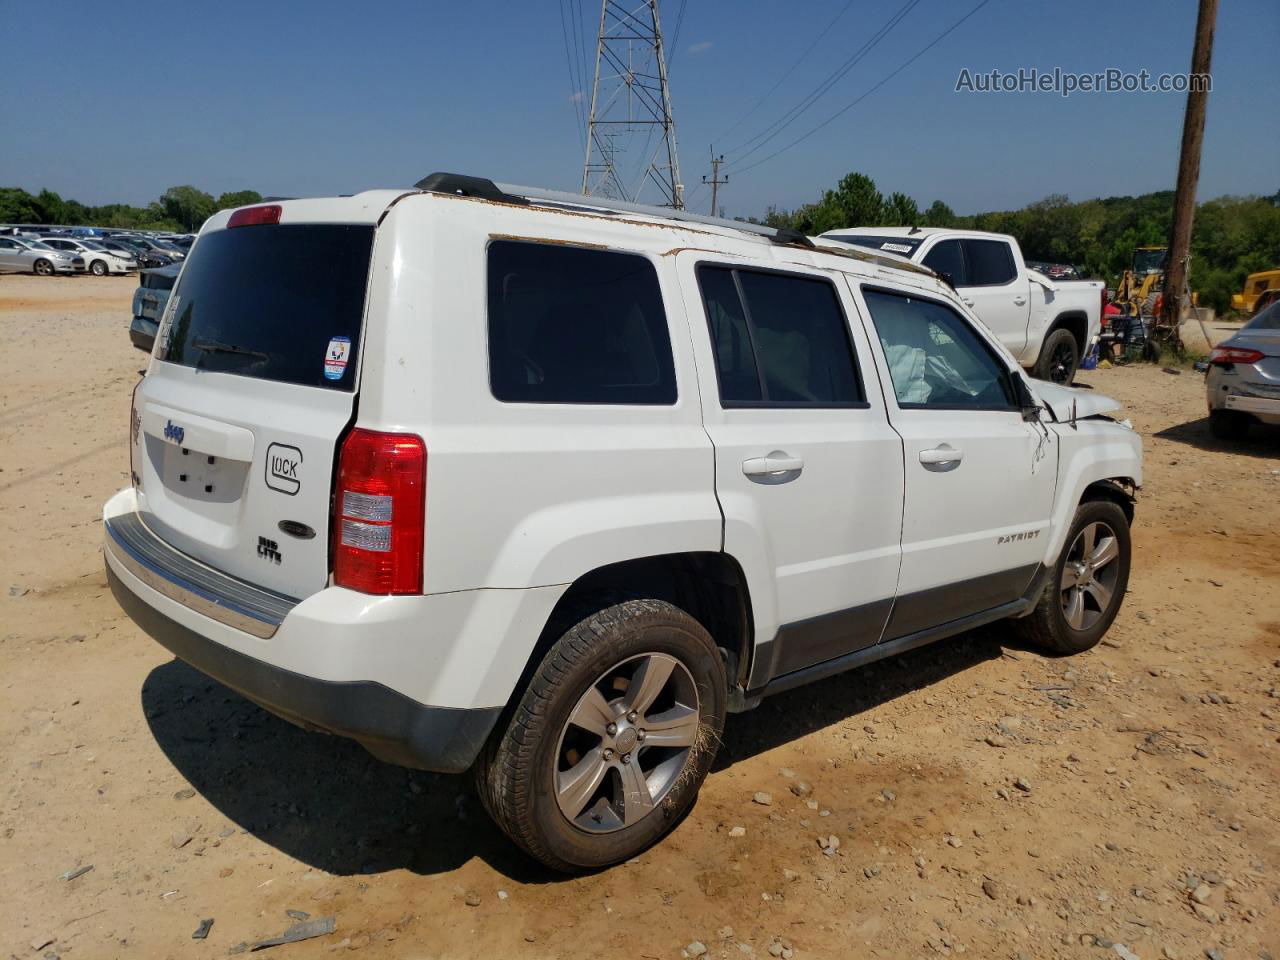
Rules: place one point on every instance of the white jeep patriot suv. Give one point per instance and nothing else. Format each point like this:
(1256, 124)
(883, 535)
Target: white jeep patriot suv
(544, 485)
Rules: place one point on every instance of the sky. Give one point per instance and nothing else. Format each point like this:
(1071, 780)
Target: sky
(321, 97)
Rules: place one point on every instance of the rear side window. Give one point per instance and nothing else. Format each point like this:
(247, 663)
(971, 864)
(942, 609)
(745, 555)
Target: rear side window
(277, 302)
(570, 325)
(947, 258)
(780, 340)
(990, 263)
(936, 360)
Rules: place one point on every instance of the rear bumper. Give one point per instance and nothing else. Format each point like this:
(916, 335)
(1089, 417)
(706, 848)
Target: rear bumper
(1265, 409)
(388, 724)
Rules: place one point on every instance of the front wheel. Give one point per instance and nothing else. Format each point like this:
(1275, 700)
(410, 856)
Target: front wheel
(1086, 586)
(614, 735)
(1059, 358)
(98, 268)
(42, 268)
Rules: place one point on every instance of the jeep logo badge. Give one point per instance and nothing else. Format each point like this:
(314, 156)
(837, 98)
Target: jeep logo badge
(174, 432)
(283, 465)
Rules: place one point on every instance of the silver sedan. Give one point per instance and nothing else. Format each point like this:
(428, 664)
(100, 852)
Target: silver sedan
(1243, 381)
(18, 254)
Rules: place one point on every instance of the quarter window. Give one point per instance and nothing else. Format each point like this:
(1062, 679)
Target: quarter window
(935, 359)
(569, 325)
(780, 339)
(990, 263)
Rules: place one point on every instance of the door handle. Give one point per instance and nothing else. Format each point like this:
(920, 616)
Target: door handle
(943, 457)
(1019, 299)
(776, 465)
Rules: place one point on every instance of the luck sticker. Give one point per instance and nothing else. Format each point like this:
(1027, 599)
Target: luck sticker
(335, 358)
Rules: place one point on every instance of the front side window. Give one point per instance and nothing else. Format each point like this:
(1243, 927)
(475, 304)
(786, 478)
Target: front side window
(571, 325)
(935, 359)
(990, 263)
(780, 339)
(947, 258)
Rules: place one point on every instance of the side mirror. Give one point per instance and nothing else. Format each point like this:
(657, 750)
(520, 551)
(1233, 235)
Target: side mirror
(1026, 400)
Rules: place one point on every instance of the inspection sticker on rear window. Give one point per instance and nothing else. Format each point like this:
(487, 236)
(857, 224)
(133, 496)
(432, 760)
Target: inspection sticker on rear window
(896, 247)
(335, 358)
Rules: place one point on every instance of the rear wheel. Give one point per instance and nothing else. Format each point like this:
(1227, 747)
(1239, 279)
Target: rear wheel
(608, 747)
(1228, 424)
(1059, 358)
(42, 268)
(98, 268)
(1086, 586)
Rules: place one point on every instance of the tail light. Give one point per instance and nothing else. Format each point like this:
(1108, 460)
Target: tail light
(1225, 356)
(379, 512)
(255, 216)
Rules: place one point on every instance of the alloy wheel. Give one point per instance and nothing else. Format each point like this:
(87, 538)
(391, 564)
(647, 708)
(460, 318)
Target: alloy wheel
(1089, 575)
(1061, 363)
(626, 743)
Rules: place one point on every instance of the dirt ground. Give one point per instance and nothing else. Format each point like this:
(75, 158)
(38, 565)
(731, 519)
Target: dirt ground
(987, 800)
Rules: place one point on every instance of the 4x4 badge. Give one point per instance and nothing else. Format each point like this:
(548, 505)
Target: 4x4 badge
(284, 464)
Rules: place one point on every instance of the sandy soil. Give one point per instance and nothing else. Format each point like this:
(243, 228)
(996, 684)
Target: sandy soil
(987, 800)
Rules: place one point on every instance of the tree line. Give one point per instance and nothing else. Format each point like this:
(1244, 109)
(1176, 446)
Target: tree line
(177, 210)
(1233, 237)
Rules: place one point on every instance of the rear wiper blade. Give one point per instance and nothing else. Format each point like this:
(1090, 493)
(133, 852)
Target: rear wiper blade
(217, 346)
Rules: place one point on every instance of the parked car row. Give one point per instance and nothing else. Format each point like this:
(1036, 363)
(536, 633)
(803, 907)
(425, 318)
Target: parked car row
(46, 251)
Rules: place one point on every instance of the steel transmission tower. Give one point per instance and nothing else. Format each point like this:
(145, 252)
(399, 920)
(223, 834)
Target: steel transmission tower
(631, 94)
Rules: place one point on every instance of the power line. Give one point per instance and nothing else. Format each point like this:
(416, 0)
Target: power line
(575, 89)
(675, 35)
(790, 70)
(849, 106)
(797, 111)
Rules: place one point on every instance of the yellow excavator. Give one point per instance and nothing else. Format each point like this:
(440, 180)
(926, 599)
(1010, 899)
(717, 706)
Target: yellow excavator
(1140, 287)
(1140, 300)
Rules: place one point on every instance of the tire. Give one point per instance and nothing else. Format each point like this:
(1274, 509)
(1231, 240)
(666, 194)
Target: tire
(1056, 625)
(561, 725)
(98, 268)
(1228, 424)
(1059, 358)
(42, 268)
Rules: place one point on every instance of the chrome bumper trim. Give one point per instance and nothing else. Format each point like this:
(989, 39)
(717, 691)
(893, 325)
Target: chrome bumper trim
(210, 592)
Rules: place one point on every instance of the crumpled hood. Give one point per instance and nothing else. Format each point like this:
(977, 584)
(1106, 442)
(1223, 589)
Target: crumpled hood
(1060, 400)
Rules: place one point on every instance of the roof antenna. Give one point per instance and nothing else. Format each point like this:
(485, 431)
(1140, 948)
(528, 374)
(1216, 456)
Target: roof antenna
(914, 230)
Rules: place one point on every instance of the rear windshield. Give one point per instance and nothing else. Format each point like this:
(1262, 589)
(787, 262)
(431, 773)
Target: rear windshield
(1268, 319)
(273, 302)
(902, 246)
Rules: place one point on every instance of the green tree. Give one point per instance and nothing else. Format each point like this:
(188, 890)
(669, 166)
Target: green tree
(187, 205)
(857, 202)
(238, 198)
(18, 206)
(939, 215)
(901, 211)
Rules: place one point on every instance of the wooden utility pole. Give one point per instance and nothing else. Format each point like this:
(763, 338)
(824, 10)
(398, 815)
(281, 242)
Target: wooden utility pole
(715, 180)
(1176, 299)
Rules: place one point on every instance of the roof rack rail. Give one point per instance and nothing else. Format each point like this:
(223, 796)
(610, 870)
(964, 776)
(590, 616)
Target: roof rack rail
(464, 186)
(583, 202)
(485, 189)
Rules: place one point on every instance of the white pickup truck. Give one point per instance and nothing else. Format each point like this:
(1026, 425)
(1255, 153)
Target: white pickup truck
(1048, 325)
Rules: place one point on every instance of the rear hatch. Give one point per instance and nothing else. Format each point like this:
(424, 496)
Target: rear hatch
(254, 380)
